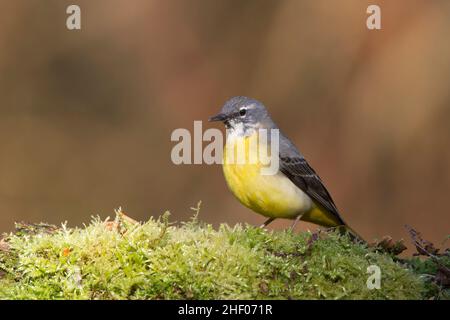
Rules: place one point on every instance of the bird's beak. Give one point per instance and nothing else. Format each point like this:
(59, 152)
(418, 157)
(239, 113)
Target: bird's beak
(218, 117)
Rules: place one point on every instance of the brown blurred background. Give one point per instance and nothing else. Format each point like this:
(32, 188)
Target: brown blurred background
(86, 116)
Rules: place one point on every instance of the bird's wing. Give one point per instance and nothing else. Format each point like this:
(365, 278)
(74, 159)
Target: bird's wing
(297, 169)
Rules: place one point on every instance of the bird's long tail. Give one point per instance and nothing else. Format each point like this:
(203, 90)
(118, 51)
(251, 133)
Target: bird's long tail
(347, 230)
(322, 217)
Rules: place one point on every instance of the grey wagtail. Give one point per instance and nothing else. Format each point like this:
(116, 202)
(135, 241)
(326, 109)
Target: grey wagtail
(295, 191)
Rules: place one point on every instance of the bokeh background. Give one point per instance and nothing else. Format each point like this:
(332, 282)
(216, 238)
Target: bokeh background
(86, 116)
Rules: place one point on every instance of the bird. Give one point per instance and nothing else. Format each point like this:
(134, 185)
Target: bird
(295, 191)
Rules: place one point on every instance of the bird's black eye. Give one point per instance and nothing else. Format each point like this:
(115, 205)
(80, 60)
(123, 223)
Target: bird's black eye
(242, 112)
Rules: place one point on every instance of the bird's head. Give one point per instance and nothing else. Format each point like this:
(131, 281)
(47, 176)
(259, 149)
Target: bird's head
(242, 113)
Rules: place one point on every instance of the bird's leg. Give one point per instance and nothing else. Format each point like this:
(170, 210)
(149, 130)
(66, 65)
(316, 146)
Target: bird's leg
(295, 222)
(265, 224)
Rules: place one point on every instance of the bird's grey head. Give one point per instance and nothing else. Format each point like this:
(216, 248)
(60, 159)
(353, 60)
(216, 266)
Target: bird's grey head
(243, 114)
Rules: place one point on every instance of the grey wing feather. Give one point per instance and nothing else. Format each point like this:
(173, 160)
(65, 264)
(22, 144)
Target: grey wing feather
(297, 169)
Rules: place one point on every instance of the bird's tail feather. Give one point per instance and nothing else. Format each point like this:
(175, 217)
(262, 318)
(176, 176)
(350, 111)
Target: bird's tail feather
(347, 230)
(322, 217)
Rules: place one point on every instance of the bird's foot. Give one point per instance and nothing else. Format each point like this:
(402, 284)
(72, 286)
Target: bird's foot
(295, 223)
(266, 223)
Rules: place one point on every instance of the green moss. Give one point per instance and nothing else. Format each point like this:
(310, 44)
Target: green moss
(432, 271)
(155, 260)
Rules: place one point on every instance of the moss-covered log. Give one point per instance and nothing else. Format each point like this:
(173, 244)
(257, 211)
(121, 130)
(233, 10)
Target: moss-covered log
(155, 260)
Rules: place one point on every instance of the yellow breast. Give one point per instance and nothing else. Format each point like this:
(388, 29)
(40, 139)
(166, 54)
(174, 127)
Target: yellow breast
(270, 195)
